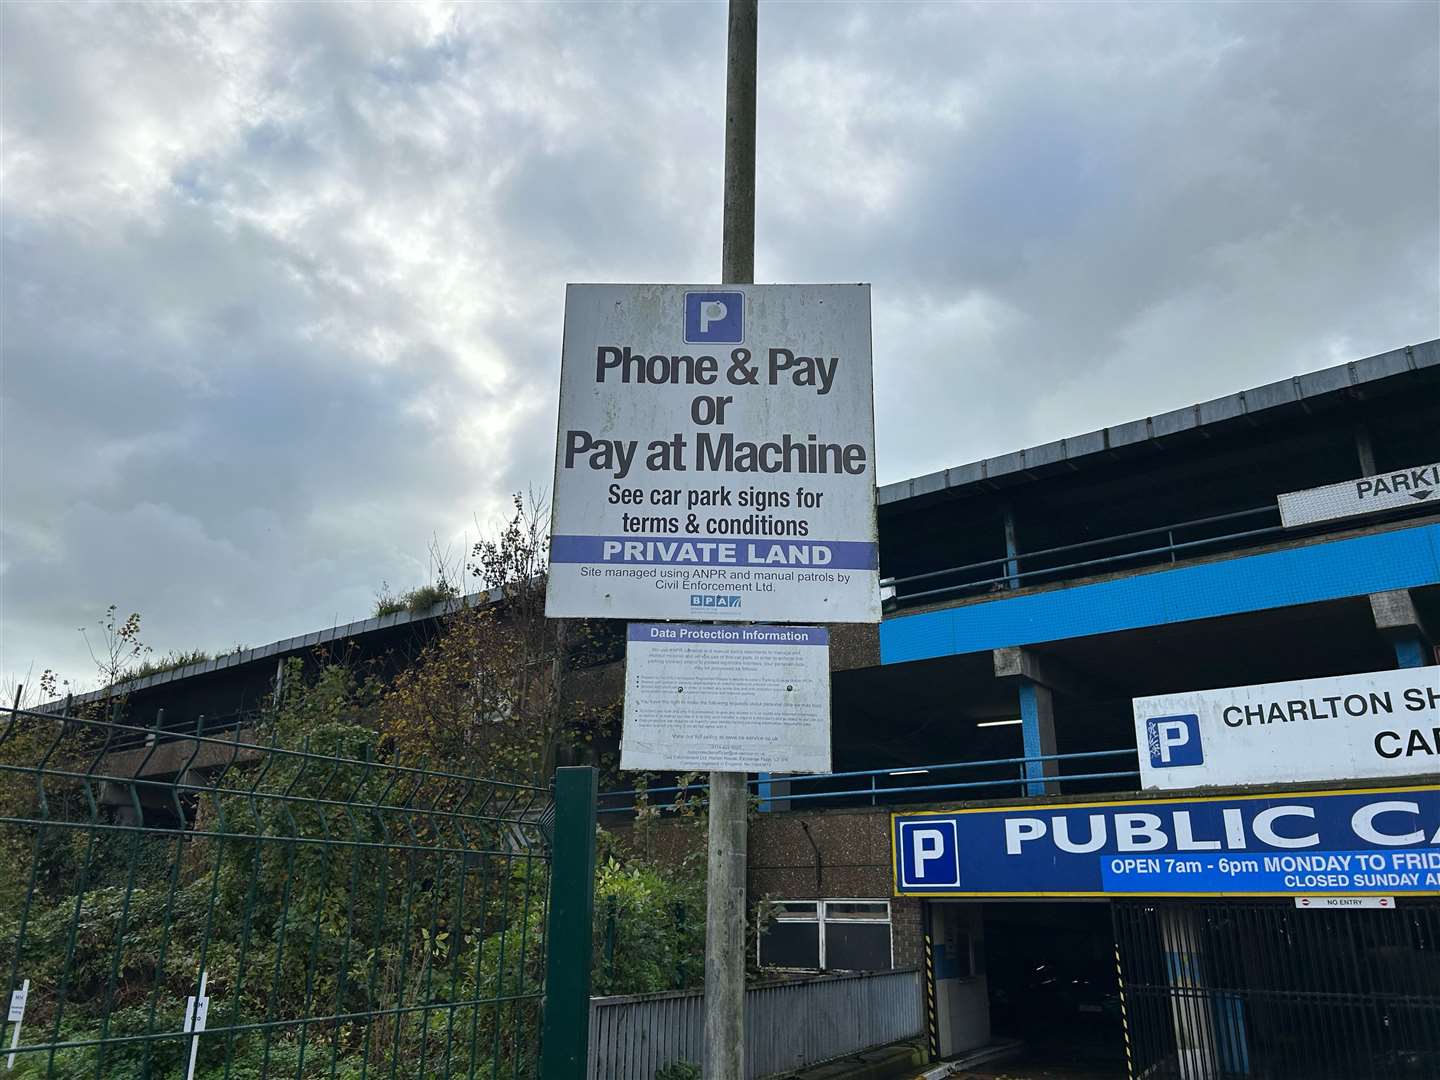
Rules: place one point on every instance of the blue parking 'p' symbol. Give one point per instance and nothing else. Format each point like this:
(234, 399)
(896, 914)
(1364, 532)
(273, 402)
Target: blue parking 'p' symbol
(929, 854)
(1174, 741)
(714, 318)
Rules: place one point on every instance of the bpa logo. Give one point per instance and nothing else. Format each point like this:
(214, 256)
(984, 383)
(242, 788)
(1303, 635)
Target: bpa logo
(714, 318)
(707, 600)
(929, 854)
(1174, 740)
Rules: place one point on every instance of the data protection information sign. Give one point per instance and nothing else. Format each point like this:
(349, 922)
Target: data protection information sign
(1315, 843)
(716, 455)
(1384, 723)
(1384, 491)
(732, 698)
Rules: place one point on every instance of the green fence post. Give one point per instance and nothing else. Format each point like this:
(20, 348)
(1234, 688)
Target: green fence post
(565, 1037)
(610, 917)
(679, 944)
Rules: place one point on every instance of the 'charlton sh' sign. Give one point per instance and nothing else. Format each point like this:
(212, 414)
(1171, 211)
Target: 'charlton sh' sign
(1382, 723)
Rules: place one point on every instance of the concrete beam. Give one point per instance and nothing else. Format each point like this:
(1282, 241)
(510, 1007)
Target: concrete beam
(1399, 623)
(179, 753)
(1394, 610)
(1018, 662)
(1012, 661)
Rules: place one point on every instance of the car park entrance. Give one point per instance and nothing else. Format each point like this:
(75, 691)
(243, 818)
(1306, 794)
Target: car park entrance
(1194, 989)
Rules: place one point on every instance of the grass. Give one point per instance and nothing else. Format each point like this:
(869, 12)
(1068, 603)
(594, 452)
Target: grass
(416, 600)
(175, 659)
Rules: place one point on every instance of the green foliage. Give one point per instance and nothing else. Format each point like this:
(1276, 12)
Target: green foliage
(649, 920)
(121, 657)
(247, 1057)
(416, 601)
(169, 662)
(487, 694)
(306, 880)
(332, 872)
(119, 647)
(678, 1070)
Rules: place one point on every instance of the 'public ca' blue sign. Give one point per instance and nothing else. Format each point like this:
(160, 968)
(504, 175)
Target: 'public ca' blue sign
(1384, 841)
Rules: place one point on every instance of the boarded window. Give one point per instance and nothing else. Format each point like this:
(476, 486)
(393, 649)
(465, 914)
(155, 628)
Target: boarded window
(828, 935)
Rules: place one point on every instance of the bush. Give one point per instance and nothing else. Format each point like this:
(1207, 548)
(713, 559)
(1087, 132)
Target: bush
(649, 922)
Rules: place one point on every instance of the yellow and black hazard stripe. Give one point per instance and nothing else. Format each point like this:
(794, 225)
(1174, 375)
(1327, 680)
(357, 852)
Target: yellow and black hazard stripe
(1124, 1016)
(932, 1019)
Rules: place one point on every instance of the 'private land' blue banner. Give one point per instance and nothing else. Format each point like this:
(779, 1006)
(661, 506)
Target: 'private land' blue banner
(1383, 841)
(709, 551)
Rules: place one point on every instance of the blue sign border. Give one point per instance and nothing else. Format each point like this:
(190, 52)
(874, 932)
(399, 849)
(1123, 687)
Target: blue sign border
(1132, 804)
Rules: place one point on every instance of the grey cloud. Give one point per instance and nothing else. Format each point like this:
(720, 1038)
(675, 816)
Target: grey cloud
(1126, 213)
(283, 284)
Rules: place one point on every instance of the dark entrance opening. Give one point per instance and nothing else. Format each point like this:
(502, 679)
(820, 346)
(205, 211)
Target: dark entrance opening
(1051, 972)
(1261, 990)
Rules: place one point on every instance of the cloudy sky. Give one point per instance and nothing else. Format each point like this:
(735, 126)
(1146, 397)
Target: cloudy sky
(283, 283)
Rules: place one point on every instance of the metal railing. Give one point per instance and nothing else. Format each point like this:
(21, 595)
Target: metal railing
(789, 1025)
(1261, 989)
(869, 782)
(1010, 567)
(161, 728)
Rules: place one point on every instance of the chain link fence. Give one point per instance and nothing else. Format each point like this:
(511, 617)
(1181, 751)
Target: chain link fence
(219, 907)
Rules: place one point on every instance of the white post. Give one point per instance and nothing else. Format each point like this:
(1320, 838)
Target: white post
(15, 1016)
(196, 1010)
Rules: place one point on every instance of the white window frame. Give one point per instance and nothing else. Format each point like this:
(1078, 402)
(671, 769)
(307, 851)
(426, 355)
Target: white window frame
(822, 915)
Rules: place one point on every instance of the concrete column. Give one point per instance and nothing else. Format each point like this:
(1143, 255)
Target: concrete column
(1411, 652)
(772, 794)
(1033, 679)
(1397, 620)
(1012, 549)
(1190, 1002)
(1037, 724)
(962, 994)
(1364, 450)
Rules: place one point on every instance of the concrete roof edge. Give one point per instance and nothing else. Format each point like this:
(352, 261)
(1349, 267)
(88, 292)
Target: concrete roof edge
(1248, 402)
(297, 643)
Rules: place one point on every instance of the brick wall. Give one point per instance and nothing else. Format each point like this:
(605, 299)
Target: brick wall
(825, 854)
(907, 929)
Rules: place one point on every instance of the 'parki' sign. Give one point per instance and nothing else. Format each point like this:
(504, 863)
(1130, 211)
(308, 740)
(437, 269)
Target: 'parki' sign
(1384, 491)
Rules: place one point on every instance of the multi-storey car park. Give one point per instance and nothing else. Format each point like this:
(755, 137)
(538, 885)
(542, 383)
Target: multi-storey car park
(1030, 599)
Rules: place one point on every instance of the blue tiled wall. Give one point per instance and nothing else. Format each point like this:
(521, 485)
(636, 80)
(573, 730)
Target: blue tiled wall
(1404, 558)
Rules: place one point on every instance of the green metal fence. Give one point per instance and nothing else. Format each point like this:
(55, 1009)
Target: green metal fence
(209, 908)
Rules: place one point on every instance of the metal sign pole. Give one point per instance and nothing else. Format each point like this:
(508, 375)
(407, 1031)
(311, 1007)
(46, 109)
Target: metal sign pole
(725, 881)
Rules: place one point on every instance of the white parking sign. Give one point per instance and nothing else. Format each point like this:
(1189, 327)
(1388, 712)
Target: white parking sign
(716, 455)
